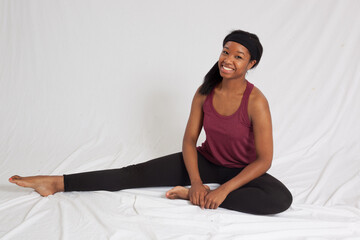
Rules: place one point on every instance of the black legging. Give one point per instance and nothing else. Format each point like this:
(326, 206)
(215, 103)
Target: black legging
(263, 195)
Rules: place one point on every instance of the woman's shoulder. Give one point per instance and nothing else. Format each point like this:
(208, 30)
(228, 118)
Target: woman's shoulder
(257, 101)
(198, 100)
(200, 97)
(256, 94)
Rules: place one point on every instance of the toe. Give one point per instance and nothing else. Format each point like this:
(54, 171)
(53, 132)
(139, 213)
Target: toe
(170, 194)
(15, 177)
(11, 179)
(17, 180)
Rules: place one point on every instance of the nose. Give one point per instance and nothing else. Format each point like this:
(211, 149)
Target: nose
(227, 59)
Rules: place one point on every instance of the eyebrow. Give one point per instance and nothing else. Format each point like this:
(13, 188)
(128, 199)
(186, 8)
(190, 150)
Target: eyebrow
(237, 51)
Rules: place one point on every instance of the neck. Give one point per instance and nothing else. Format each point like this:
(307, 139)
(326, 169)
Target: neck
(233, 86)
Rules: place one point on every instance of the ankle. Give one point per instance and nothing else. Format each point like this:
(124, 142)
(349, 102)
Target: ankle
(59, 183)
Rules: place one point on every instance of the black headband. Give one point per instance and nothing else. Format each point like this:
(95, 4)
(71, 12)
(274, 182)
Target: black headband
(247, 42)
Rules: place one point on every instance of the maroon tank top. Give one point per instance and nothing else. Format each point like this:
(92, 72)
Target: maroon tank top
(229, 139)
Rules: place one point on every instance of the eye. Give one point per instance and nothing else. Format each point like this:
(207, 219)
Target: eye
(238, 57)
(225, 52)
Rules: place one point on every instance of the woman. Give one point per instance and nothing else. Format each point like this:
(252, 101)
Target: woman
(236, 154)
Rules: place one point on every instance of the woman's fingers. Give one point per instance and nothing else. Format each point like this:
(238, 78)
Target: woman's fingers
(198, 199)
(210, 203)
(195, 199)
(197, 195)
(213, 206)
(202, 202)
(207, 203)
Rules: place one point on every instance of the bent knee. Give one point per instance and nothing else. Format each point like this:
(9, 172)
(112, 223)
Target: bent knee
(274, 203)
(280, 203)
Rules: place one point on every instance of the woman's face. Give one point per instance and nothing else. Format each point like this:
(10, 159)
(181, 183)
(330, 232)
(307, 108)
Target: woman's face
(234, 61)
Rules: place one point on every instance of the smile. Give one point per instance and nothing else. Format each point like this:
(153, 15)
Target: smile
(228, 69)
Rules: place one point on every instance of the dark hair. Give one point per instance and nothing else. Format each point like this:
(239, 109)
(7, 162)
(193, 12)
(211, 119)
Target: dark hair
(248, 40)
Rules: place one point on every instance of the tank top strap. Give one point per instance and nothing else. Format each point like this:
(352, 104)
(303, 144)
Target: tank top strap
(244, 116)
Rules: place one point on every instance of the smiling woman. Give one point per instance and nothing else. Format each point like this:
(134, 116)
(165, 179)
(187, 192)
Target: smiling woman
(237, 152)
(235, 61)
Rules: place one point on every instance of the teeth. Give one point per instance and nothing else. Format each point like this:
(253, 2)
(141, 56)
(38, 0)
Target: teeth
(227, 68)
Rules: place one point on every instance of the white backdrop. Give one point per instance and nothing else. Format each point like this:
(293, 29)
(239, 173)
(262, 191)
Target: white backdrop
(88, 85)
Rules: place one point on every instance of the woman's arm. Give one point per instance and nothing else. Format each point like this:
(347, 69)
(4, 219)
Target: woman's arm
(193, 128)
(259, 112)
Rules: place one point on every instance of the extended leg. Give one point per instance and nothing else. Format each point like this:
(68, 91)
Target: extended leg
(169, 170)
(164, 171)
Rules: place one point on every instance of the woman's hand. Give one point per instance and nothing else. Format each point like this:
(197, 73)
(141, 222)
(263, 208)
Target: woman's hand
(214, 198)
(197, 194)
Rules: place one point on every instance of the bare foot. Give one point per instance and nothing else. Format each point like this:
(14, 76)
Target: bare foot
(180, 192)
(44, 185)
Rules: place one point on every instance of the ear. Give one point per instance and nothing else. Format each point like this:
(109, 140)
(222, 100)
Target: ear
(251, 64)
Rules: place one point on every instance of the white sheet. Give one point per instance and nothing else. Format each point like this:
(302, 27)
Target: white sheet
(88, 85)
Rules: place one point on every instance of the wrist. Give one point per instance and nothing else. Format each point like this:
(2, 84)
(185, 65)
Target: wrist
(225, 188)
(195, 182)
